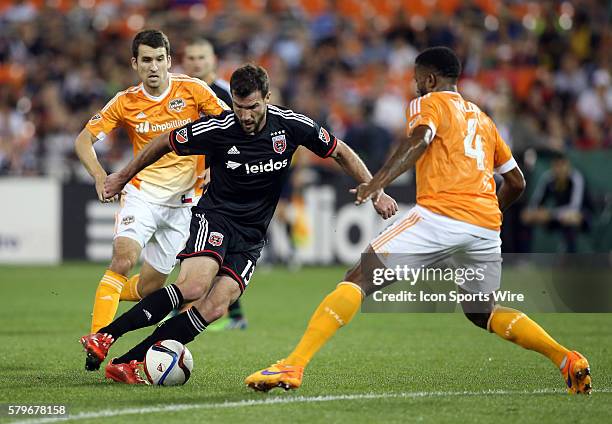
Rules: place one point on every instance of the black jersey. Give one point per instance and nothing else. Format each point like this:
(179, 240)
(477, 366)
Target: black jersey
(222, 89)
(249, 170)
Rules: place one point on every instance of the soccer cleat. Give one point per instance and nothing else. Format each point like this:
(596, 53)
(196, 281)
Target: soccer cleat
(96, 345)
(576, 373)
(125, 373)
(228, 323)
(218, 325)
(278, 375)
(236, 324)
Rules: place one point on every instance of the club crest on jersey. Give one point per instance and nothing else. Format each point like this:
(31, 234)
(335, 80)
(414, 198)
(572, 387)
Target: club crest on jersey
(95, 118)
(324, 136)
(279, 141)
(176, 105)
(215, 239)
(181, 135)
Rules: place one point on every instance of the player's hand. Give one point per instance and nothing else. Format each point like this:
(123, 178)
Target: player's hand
(385, 205)
(362, 193)
(100, 180)
(113, 184)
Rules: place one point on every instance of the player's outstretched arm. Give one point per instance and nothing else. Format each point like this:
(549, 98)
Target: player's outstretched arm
(352, 164)
(511, 189)
(404, 158)
(154, 150)
(83, 147)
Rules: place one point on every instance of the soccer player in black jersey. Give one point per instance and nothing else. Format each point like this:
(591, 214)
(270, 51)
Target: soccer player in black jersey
(250, 151)
(200, 61)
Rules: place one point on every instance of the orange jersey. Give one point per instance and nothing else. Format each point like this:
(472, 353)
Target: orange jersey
(454, 177)
(172, 178)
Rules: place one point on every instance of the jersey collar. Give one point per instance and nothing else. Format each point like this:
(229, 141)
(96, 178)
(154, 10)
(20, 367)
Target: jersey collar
(161, 96)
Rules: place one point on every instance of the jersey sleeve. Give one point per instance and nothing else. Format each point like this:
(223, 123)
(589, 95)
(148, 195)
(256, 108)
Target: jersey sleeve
(107, 119)
(207, 100)
(424, 111)
(316, 138)
(197, 138)
(503, 161)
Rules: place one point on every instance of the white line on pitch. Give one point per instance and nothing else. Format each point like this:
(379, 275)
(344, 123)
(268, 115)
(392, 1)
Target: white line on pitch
(107, 413)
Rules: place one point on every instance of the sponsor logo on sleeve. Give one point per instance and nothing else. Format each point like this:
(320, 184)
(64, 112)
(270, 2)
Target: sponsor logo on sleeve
(215, 238)
(177, 104)
(181, 135)
(324, 136)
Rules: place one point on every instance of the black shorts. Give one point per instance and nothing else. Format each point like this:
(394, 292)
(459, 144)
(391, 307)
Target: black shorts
(212, 235)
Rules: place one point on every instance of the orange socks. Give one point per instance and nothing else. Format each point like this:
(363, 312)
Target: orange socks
(130, 289)
(336, 310)
(518, 328)
(106, 301)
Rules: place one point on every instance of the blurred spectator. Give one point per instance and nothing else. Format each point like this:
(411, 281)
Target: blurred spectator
(370, 140)
(595, 104)
(541, 69)
(560, 201)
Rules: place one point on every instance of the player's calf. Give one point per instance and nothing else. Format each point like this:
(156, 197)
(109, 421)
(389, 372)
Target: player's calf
(478, 312)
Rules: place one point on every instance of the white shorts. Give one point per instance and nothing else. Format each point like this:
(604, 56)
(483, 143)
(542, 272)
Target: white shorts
(422, 238)
(160, 230)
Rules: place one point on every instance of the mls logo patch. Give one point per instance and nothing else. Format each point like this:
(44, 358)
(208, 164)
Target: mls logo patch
(176, 105)
(95, 118)
(324, 136)
(127, 220)
(215, 239)
(279, 143)
(181, 135)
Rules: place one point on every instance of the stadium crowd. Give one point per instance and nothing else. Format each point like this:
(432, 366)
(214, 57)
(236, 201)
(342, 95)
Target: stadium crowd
(541, 69)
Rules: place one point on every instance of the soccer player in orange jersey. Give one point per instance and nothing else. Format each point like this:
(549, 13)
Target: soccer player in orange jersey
(155, 213)
(456, 149)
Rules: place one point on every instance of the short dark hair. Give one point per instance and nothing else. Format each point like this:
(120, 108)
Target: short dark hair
(152, 38)
(442, 60)
(248, 79)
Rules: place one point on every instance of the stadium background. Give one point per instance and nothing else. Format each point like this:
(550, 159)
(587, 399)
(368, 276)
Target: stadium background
(540, 69)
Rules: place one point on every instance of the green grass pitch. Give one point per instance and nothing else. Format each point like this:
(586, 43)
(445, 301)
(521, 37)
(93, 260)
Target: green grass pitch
(381, 368)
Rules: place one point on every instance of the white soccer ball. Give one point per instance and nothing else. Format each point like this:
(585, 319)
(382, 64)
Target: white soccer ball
(168, 363)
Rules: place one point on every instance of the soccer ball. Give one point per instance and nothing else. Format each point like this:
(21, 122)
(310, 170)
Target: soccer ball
(168, 363)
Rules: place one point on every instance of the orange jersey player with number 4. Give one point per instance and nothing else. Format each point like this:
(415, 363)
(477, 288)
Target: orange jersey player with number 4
(155, 212)
(456, 149)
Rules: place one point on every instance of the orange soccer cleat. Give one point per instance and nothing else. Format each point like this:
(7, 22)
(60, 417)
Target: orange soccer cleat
(576, 373)
(278, 375)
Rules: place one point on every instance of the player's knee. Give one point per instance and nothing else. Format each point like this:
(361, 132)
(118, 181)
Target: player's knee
(212, 313)
(148, 286)
(479, 319)
(191, 290)
(353, 275)
(122, 264)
